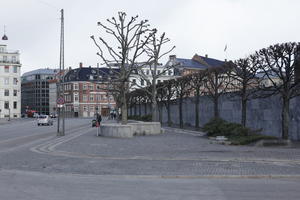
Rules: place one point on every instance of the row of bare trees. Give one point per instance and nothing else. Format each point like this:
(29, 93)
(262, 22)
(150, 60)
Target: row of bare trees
(270, 71)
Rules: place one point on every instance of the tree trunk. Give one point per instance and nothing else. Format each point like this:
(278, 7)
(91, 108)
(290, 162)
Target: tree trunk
(197, 100)
(216, 107)
(134, 111)
(140, 109)
(124, 106)
(180, 113)
(244, 112)
(285, 118)
(145, 108)
(169, 114)
(154, 103)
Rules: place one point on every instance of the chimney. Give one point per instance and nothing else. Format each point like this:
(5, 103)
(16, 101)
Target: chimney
(80, 64)
(206, 55)
(172, 57)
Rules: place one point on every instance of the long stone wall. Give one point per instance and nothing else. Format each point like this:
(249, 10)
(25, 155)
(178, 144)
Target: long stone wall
(262, 114)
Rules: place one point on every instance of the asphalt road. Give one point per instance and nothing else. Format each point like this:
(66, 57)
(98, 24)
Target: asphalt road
(40, 186)
(36, 164)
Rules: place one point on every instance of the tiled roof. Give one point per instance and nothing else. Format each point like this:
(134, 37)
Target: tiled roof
(196, 64)
(88, 74)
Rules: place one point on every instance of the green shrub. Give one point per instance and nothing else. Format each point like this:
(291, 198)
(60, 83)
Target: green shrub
(242, 140)
(218, 127)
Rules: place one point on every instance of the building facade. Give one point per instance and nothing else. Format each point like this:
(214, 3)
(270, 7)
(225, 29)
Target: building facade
(10, 87)
(36, 93)
(85, 92)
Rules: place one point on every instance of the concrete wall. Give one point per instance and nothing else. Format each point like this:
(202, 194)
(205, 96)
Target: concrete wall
(261, 113)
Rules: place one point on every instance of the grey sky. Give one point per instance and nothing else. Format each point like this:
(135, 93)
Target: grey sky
(194, 26)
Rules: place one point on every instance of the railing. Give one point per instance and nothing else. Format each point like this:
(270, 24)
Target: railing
(10, 61)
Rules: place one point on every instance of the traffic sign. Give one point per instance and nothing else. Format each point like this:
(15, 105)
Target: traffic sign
(60, 100)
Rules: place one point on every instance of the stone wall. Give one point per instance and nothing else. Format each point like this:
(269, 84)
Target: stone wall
(262, 114)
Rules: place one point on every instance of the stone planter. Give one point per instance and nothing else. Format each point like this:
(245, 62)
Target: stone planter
(130, 130)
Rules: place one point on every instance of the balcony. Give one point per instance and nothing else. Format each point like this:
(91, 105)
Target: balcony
(9, 62)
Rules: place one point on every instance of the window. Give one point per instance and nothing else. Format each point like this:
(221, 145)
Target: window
(98, 97)
(84, 86)
(158, 81)
(6, 69)
(147, 72)
(91, 97)
(6, 93)
(92, 108)
(6, 81)
(15, 93)
(75, 86)
(15, 81)
(15, 105)
(14, 59)
(91, 87)
(98, 87)
(15, 69)
(142, 82)
(84, 98)
(5, 58)
(1, 49)
(76, 97)
(170, 72)
(158, 71)
(6, 105)
(133, 81)
(84, 108)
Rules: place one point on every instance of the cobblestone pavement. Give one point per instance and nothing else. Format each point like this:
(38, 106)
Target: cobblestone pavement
(175, 153)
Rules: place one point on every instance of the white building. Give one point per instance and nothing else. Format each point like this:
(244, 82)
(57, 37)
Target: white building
(146, 74)
(10, 84)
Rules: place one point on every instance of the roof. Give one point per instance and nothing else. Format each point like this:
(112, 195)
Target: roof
(88, 74)
(199, 62)
(40, 71)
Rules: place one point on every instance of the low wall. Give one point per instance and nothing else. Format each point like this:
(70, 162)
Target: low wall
(130, 130)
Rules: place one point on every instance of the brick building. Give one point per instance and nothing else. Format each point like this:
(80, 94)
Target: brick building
(85, 94)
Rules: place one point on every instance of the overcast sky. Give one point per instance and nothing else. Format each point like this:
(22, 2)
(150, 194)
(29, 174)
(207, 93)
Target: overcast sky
(194, 26)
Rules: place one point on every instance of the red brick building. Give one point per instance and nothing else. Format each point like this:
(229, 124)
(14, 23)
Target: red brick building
(85, 92)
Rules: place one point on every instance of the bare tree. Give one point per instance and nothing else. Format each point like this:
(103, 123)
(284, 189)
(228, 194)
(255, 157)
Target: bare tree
(130, 36)
(197, 84)
(216, 84)
(182, 88)
(166, 94)
(278, 63)
(244, 81)
(155, 52)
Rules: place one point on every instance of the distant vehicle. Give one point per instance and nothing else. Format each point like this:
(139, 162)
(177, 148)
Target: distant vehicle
(36, 115)
(44, 120)
(30, 113)
(53, 115)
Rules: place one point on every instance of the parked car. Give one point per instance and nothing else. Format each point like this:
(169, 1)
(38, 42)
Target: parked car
(53, 115)
(36, 115)
(44, 120)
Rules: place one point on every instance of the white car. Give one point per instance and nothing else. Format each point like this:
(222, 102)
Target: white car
(44, 120)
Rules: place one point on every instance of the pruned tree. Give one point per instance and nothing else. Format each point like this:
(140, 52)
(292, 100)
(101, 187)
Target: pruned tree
(166, 94)
(155, 52)
(130, 37)
(244, 81)
(197, 85)
(216, 83)
(182, 88)
(279, 65)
